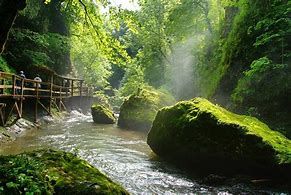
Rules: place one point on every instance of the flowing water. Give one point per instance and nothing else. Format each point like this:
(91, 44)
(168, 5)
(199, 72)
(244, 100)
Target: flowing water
(121, 154)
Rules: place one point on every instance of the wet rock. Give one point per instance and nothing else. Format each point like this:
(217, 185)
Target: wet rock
(200, 135)
(10, 133)
(102, 114)
(52, 172)
(21, 126)
(6, 136)
(139, 110)
(47, 119)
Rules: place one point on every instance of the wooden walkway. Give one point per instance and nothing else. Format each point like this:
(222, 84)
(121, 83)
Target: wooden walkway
(18, 89)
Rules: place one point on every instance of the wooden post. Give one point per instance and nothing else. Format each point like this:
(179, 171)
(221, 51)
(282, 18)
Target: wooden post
(81, 87)
(2, 113)
(13, 84)
(22, 93)
(66, 87)
(51, 93)
(2, 83)
(36, 102)
(60, 98)
(72, 88)
(22, 86)
(62, 83)
(37, 88)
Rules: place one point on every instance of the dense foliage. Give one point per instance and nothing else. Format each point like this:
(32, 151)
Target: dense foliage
(256, 61)
(38, 39)
(22, 175)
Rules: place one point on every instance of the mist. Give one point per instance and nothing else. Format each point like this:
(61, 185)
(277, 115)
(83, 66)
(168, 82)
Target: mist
(182, 68)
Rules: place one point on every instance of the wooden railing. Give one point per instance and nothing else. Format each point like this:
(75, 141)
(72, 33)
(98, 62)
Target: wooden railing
(12, 85)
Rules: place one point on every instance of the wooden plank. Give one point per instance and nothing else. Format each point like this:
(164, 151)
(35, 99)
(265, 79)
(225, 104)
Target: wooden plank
(6, 86)
(34, 89)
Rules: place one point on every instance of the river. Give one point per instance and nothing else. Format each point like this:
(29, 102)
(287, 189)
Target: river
(121, 154)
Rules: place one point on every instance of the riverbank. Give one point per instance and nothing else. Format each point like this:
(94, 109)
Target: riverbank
(20, 127)
(11, 133)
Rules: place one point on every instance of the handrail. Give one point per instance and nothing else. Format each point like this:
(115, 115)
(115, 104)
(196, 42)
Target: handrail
(16, 86)
(56, 75)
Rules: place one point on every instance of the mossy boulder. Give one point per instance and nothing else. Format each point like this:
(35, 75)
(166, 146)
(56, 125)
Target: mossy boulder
(102, 114)
(199, 134)
(52, 172)
(139, 110)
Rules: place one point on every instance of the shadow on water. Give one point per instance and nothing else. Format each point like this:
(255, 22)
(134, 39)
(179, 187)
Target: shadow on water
(122, 154)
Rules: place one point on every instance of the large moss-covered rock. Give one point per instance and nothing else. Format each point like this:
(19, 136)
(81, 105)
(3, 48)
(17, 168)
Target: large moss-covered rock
(52, 172)
(197, 133)
(139, 110)
(102, 114)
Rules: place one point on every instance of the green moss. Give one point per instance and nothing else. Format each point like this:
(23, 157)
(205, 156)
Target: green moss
(52, 172)
(2, 129)
(102, 114)
(139, 110)
(199, 131)
(4, 66)
(251, 126)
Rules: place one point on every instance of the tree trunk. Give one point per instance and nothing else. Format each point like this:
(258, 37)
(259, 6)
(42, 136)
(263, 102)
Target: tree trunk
(8, 13)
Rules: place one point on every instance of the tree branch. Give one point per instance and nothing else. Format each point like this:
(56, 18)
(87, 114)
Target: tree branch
(91, 21)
